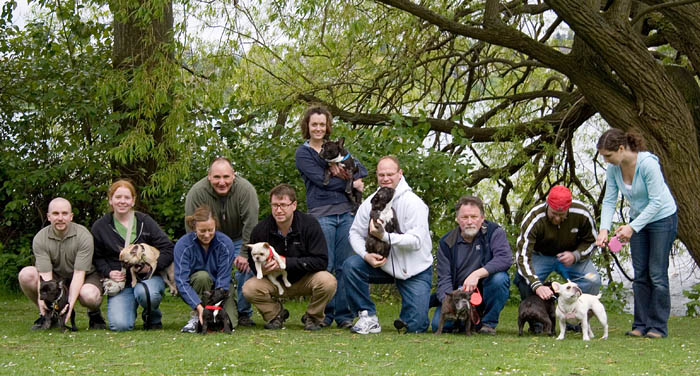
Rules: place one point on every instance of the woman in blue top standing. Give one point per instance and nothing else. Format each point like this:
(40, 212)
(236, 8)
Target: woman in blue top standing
(636, 173)
(328, 203)
(203, 261)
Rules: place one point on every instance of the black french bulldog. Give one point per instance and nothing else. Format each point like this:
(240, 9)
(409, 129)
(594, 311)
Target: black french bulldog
(456, 306)
(214, 317)
(381, 209)
(335, 152)
(534, 310)
(54, 293)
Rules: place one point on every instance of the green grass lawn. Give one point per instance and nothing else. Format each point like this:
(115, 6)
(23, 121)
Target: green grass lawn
(293, 351)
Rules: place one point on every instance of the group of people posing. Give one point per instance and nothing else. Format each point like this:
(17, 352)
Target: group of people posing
(324, 249)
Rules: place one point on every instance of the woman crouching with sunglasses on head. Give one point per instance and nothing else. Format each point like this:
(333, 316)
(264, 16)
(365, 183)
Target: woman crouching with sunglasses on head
(636, 173)
(203, 261)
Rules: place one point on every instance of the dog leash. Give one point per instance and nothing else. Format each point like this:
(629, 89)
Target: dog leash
(147, 311)
(613, 246)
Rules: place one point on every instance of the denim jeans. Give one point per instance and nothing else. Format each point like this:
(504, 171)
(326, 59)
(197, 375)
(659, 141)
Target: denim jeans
(336, 229)
(651, 247)
(495, 290)
(415, 292)
(545, 265)
(244, 308)
(121, 308)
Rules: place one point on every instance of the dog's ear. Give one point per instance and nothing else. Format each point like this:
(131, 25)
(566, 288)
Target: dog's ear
(556, 286)
(41, 278)
(60, 284)
(448, 293)
(578, 290)
(341, 142)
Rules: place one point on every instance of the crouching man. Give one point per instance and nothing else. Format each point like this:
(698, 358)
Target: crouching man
(298, 238)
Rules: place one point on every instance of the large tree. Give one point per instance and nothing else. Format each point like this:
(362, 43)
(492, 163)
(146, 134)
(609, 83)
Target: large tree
(509, 82)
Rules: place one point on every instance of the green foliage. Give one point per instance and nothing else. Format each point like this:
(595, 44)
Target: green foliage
(614, 297)
(693, 304)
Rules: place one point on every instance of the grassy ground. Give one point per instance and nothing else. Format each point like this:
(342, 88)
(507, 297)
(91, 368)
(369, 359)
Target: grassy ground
(292, 351)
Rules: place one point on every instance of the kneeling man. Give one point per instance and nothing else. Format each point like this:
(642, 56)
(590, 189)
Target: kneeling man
(64, 250)
(476, 254)
(298, 238)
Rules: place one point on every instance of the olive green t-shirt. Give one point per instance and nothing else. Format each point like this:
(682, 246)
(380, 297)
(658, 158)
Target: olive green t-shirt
(63, 255)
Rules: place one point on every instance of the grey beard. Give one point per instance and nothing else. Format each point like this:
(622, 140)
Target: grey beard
(469, 233)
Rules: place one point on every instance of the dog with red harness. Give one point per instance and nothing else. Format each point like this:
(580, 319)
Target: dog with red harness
(261, 254)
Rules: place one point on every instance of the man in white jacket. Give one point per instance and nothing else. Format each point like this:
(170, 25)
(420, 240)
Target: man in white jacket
(409, 263)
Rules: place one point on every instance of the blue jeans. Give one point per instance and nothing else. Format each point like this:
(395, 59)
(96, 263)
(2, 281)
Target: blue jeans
(121, 308)
(336, 229)
(651, 247)
(495, 290)
(244, 308)
(545, 265)
(415, 292)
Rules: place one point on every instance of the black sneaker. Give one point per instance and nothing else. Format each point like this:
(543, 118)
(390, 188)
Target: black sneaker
(38, 323)
(345, 325)
(310, 323)
(245, 320)
(96, 320)
(277, 322)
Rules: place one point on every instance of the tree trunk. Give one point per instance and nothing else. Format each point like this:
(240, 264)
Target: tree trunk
(143, 37)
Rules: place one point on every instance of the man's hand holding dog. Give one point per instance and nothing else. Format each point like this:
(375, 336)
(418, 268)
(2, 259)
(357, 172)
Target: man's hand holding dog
(241, 264)
(375, 260)
(271, 266)
(544, 292)
(376, 230)
(567, 258)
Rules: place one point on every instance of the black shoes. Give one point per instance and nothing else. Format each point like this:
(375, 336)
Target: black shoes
(245, 320)
(277, 322)
(310, 323)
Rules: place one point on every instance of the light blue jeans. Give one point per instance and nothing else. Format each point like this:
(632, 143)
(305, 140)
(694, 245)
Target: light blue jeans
(121, 308)
(495, 290)
(651, 247)
(244, 308)
(545, 265)
(336, 229)
(415, 292)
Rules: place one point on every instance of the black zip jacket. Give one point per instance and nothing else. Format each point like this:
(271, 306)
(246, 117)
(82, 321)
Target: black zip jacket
(108, 243)
(304, 247)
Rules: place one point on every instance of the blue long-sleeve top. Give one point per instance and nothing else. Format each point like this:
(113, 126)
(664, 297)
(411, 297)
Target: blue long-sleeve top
(190, 257)
(312, 168)
(649, 198)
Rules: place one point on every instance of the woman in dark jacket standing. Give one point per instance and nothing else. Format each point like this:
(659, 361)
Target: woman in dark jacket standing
(109, 233)
(328, 203)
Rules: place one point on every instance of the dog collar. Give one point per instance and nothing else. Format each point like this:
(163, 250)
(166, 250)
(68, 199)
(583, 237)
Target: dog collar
(212, 307)
(346, 157)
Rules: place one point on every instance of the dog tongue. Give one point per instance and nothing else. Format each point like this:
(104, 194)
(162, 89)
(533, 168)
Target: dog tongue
(475, 299)
(614, 245)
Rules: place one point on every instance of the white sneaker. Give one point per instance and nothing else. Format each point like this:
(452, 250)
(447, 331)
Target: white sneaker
(191, 326)
(366, 324)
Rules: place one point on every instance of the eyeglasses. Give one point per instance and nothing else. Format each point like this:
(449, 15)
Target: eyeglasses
(281, 206)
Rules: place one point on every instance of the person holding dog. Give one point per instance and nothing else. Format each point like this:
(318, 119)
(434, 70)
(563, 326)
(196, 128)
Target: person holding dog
(410, 262)
(109, 233)
(203, 260)
(556, 236)
(636, 173)
(235, 205)
(298, 238)
(475, 257)
(64, 249)
(329, 203)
